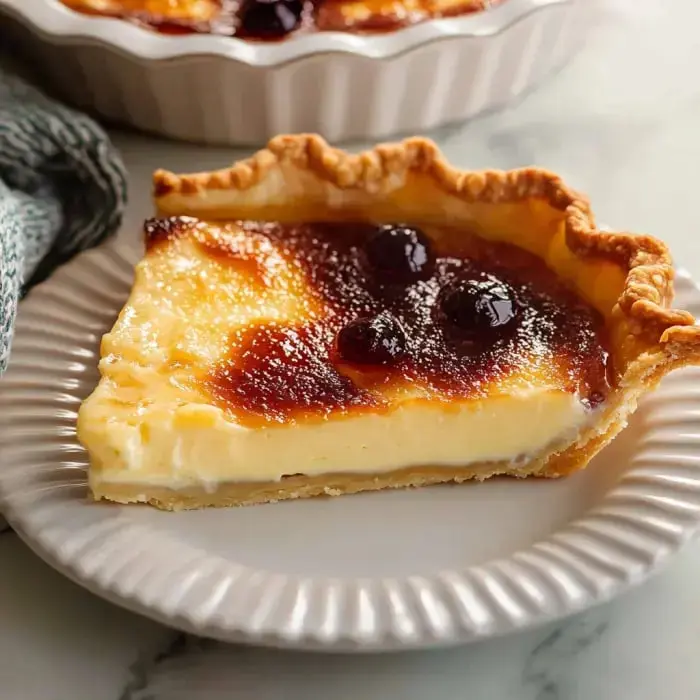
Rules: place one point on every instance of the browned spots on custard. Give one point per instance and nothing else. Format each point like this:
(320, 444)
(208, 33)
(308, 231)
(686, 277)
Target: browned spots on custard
(167, 16)
(228, 244)
(374, 15)
(377, 16)
(162, 230)
(276, 372)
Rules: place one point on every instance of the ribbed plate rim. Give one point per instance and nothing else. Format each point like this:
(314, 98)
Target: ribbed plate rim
(630, 534)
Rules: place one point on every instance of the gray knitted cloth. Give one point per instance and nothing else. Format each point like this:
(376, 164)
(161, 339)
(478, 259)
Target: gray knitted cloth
(62, 189)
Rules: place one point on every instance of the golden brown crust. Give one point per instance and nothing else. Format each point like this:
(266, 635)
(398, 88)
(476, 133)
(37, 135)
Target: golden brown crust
(643, 303)
(365, 170)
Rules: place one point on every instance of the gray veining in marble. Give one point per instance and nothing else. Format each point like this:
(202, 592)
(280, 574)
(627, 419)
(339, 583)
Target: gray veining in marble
(547, 671)
(144, 667)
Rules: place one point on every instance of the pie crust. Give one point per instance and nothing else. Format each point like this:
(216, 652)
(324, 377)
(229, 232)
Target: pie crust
(628, 278)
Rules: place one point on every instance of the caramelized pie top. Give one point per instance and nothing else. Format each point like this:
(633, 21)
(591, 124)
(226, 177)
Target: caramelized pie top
(627, 278)
(346, 317)
(275, 19)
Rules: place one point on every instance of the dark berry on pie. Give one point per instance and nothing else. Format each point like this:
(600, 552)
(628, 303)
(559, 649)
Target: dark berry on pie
(270, 18)
(377, 340)
(476, 307)
(399, 253)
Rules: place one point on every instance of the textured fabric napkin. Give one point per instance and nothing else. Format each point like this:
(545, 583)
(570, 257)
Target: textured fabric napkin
(62, 189)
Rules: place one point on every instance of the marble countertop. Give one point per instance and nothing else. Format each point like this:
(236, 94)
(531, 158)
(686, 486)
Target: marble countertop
(621, 123)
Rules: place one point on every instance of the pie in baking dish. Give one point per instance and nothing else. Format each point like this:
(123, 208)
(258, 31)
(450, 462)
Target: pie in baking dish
(312, 322)
(274, 19)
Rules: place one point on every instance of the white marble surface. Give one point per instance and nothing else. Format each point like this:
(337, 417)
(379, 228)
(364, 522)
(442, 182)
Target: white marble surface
(621, 122)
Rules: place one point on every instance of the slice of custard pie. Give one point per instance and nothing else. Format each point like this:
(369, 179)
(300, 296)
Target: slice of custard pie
(311, 322)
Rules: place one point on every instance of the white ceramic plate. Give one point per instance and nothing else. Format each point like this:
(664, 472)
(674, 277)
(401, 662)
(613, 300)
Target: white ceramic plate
(416, 568)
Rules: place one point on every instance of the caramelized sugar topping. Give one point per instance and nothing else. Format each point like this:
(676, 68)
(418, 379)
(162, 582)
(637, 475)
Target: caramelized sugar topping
(275, 19)
(392, 312)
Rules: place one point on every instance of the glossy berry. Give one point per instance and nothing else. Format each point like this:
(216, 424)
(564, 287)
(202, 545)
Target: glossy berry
(398, 252)
(379, 340)
(270, 18)
(594, 399)
(476, 308)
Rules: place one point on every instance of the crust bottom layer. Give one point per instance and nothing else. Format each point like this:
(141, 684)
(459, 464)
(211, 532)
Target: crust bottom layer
(300, 486)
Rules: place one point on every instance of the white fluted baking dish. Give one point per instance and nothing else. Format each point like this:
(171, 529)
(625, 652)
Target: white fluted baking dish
(224, 90)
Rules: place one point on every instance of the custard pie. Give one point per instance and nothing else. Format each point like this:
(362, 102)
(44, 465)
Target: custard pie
(311, 322)
(274, 19)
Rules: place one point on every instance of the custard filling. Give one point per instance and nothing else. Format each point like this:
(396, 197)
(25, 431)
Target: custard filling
(251, 351)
